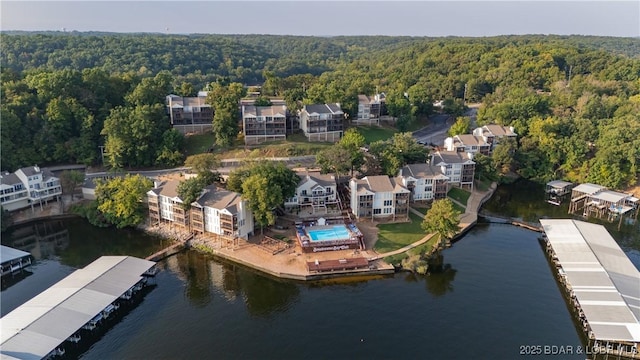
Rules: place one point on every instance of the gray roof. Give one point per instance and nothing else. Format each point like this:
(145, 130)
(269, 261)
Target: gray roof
(280, 111)
(603, 279)
(610, 196)
(499, 130)
(219, 198)
(450, 157)
(9, 254)
(559, 184)
(30, 170)
(41, 324)
(589, 188)
(469, 140)
(320, 179)
(167, 188)
(333, 108)
(9, 179)
(422, 171)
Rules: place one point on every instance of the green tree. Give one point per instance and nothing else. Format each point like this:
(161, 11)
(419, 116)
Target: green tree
(70, 180)
(335, 159)
(503, 156)
(455, 107)
(189, 190)
(461, 126)
(263, 197)
(442, 218)
(170, 151)
(121, 199)
(484, 169)
(202, 162)
(262, 101)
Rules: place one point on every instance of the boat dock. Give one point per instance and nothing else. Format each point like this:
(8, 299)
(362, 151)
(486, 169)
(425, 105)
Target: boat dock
(601, 283)
(13, 260)
(45, 325)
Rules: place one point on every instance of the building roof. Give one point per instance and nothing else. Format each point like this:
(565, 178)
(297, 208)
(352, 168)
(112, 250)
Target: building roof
(333, 108)
(422, 171)
(175, 101)
(168, 188)
(265, 110)
(469, 140)
(30, 170)
(37, 327)
(379, 183)
(450, 157)
(602, 277)
(8, 254)
(320, 179)
(559, 184)
(9, 179)
(610, 196)
(274, 102)
(219, 198)
(589, 188)
(498, 130)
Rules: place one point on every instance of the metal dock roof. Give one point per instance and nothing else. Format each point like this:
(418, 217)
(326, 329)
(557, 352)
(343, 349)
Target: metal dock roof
(41, 324)
(9, 254)
(603, 279)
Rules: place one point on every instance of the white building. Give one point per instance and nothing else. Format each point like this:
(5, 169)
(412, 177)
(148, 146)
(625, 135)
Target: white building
(426, 182)
(166, 206)
(316, 193)
(222, 212)
(28, 186)
(492, 133)
(467, 143)
(322, 122)
(370, 109)
(459, 167)
(379, 197)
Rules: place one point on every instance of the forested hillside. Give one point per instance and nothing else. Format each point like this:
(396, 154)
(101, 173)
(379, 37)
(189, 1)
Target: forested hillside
(574, 100)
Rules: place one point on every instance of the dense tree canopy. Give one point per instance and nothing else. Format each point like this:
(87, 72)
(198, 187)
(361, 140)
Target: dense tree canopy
(573, 100)
(120, 199)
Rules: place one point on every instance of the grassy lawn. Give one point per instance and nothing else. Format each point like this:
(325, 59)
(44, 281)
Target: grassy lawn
(199, 143)
(394, 236)
(374, 133)
(460, 195)
(422, 209)
(397, 259)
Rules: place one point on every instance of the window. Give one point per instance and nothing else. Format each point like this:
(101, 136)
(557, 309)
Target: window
(387, 203)
(376, 211)
(387, 210)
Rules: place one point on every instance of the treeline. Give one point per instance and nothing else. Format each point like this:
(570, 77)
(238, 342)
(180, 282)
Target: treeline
(573, 100)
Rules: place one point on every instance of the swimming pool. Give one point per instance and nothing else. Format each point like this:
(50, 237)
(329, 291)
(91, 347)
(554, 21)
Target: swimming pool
(336, 232)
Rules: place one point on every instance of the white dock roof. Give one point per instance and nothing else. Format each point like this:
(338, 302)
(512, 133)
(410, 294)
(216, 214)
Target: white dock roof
(8, 254)
(559, 184)
(589, 188)
(603, 279)
(37, 327)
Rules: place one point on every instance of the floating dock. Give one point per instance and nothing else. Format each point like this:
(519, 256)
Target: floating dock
(601, 282)
(13, 260)
(39, 328)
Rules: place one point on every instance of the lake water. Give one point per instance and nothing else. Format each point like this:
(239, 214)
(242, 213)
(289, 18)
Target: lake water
(494, 294)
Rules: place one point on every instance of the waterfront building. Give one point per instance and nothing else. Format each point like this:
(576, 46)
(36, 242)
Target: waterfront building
(28, 186)
(379, 197)
(221, 212)
(459, 167)
(13, 260)
(556, 191)
(596, 200)
(190, 114)
(322, 122)
(316, 194)
(165, 205)
(425, 181)
(264, 123)
(601, 283)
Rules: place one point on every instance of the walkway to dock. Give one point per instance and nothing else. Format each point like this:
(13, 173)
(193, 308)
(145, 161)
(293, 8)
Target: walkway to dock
(467, 220)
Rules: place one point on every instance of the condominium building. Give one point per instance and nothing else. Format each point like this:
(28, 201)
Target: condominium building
(425, 181)
(459, 167)
(264, 123)
(28, 186)
(379, 197)
(190, 114)
(322, 122)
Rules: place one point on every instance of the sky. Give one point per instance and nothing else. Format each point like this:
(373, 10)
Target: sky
(329, 17)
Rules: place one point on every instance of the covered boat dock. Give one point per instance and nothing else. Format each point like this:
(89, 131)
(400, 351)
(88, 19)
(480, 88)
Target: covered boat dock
(601, 282)
(38, 328)
(557, 190)
(13, 260)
